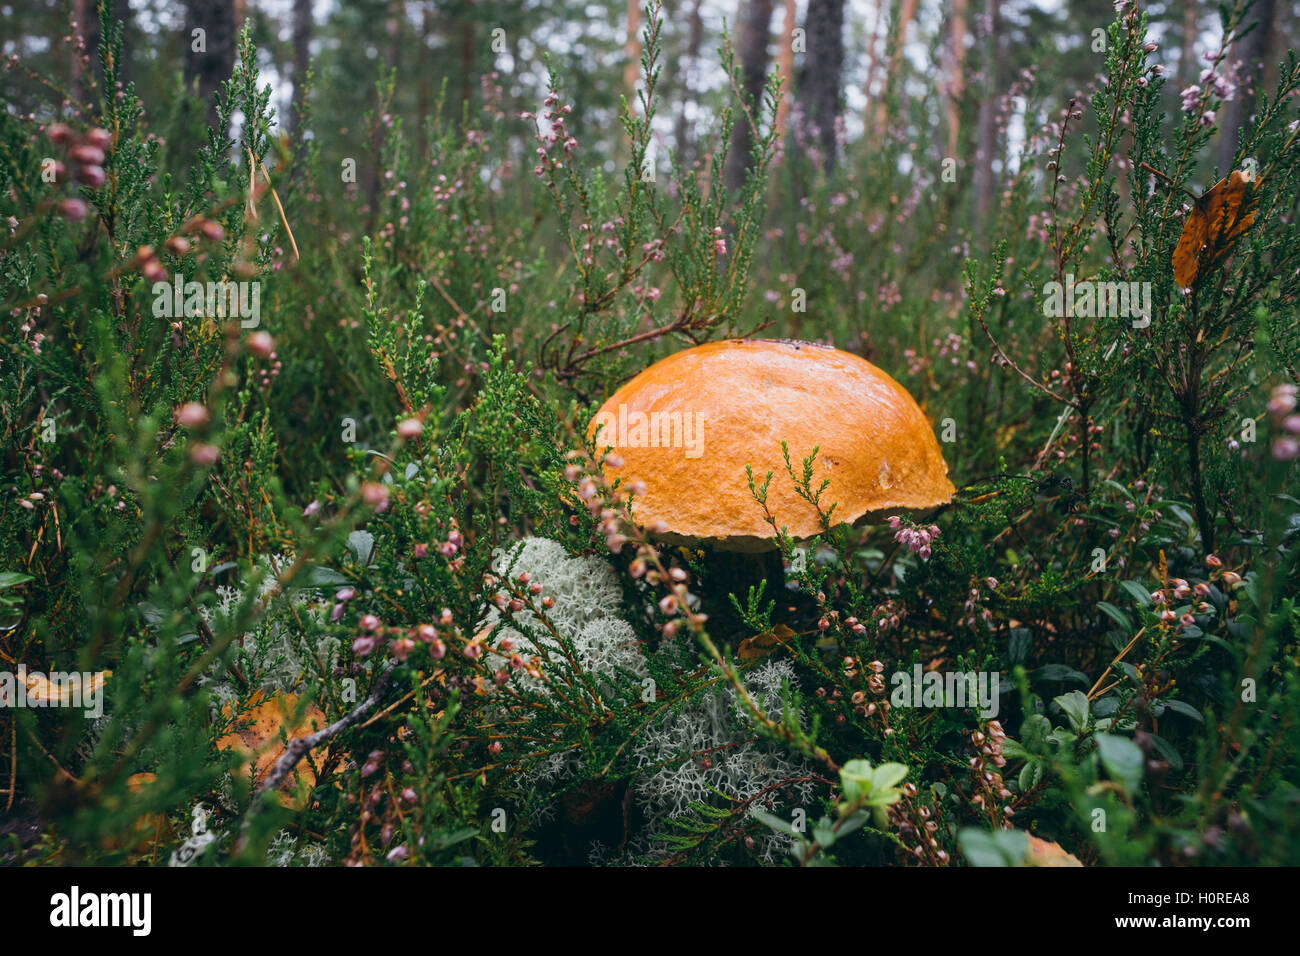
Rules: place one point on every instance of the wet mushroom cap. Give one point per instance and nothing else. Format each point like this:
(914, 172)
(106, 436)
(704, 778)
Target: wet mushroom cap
(688, 425)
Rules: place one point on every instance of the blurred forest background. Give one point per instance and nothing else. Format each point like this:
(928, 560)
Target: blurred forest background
(966, 61)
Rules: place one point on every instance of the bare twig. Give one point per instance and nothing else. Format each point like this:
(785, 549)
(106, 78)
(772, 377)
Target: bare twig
(300, 746)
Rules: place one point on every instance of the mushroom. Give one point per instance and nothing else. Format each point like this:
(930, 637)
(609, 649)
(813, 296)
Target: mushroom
(687, 427)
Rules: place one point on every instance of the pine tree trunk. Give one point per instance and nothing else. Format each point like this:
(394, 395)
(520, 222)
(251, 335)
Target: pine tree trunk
(906, 11)
(1187, 68)
(302, 32)
(957, 79)
(985, 153)
(755, 18)
(695, 36)
(1254, 53)
(207, 69)
(819, 80)
(785, 67)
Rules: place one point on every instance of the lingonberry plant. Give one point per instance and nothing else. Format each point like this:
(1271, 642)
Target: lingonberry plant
(297, 472)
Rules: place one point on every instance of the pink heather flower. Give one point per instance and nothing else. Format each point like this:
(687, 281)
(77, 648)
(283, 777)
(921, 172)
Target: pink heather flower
(1286, 449)
(311, 509)
(410, 428)
(153, 270)
(204, 455)
(473, 650)
(437, 649)
(363, 645)
(1282, 401)
(261, 344)
(375, 494)
(917, 540)
(1191, 98)
(402, 648)
(421, 550)
(87, 155)
(191, 415)
(345, 594)
(370, 623)
(92, 176)
(720, 247)
(73, 210)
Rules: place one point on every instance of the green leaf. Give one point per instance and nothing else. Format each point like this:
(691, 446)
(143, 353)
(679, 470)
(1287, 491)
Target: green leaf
(1059, 672)
(1030, 774)
(888, 775)
(823, 833)
(1075, 706)
(1184, 708)
(9, 579)
(1123, 761)
(851, 824)
(857, 778)
(1116, 615)
(1034, 731)
(773, 821)
(1138, 592)
(1172, 756)
(1003, 848)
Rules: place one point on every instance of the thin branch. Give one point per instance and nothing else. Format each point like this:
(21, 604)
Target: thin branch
(299, 747)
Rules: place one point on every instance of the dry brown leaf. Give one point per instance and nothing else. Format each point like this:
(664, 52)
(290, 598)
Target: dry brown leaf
(1045, 853)
(39, 688)
(1219, 217)
(257, 734)
(760, 645)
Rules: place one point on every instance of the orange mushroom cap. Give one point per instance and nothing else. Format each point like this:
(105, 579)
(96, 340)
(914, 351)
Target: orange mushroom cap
(688, 425)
